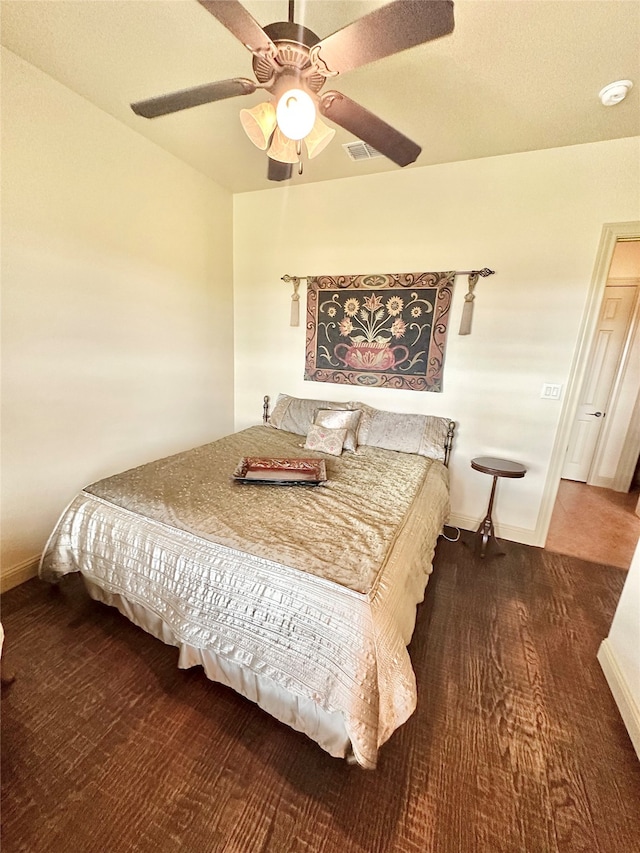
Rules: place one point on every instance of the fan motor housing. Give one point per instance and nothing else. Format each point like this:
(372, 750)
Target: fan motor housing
(293, 43)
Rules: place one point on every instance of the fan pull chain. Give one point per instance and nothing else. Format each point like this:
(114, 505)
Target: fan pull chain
(299, 153)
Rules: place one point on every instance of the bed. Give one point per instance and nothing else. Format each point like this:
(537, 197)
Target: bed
(300, 597)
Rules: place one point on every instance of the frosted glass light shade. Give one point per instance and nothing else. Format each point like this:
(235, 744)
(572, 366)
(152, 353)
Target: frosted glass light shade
(282, 148)
(318, 139)
(259, 123)
(296, 114)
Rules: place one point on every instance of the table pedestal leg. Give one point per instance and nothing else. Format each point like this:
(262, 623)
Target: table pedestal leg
(485, 533)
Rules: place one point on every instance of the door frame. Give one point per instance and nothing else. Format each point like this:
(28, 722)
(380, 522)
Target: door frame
(611, 233)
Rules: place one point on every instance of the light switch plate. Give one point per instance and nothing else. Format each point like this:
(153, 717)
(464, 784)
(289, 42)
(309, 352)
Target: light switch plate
(551, 391)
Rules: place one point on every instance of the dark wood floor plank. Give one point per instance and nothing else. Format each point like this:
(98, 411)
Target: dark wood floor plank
(516, 745)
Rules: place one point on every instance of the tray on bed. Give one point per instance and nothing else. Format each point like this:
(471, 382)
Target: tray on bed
(281, 472)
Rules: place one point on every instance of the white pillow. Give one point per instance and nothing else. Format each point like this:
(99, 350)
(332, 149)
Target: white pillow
(296, 414)
(340, 419)
(425, 435)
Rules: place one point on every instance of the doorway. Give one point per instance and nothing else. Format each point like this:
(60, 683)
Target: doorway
(593, 444)
(591, 511)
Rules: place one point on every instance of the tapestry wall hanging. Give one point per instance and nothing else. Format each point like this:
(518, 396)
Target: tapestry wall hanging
(385, 331)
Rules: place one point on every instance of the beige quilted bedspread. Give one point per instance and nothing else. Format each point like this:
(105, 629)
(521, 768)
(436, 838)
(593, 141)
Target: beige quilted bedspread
(340, 531)
(314, 587)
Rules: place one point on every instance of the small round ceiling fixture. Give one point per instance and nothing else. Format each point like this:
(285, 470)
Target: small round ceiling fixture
(615, 92)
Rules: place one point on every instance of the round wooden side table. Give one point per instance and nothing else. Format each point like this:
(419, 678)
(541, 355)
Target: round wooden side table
(497, 468)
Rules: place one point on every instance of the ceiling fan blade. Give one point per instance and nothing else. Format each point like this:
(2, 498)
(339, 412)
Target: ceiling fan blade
(387, 30)
(187, 98)
(369, 128)
(238, 21)
(279, 171)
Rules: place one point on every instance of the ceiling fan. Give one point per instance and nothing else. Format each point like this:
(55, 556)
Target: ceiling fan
(293, 64)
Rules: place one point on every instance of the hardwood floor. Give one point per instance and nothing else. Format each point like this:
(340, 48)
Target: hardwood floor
(516, 745)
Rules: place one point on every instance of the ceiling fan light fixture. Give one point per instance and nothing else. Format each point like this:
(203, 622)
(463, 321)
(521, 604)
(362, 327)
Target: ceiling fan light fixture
(283, 149)
(259, 123)
(318, 139)
(292, 64)
(296, 114)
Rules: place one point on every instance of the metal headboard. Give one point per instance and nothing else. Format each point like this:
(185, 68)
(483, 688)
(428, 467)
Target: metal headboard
(448, 444)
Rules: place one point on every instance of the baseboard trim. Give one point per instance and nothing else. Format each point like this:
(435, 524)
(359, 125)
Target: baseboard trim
(19, 573)
(503, 531)
(629, 710)
(603, 482)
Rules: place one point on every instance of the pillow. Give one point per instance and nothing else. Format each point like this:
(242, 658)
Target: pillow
(424, 435)
(325, 440)
(340, 419)
(295, 414)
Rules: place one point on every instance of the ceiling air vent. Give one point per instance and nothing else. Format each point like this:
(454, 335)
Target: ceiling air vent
(361, 151)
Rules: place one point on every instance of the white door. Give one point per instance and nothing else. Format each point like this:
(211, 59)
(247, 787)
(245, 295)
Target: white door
(609, 340)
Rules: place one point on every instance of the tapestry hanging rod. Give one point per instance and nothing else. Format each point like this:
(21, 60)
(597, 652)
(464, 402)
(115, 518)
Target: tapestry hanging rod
(292, 279)
(467, 310)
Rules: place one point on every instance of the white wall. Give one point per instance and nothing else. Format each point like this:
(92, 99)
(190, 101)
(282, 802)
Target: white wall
(618, 654)
(536, 218)
(117, 324)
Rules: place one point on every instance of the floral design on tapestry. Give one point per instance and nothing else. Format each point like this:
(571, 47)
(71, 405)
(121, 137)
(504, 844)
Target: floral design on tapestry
(378, 330)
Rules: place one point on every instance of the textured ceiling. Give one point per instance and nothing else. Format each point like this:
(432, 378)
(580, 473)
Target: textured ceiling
(515, 75)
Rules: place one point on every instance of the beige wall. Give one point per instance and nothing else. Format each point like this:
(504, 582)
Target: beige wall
(536, 218)
(117, 322)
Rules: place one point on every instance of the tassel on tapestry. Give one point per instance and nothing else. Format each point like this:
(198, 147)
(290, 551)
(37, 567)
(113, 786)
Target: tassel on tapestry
(467, 308)
(295, 298)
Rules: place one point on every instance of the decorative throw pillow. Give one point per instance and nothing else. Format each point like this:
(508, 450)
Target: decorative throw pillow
(295, 414)
(340, 419)
(424, 435)
(325, 440)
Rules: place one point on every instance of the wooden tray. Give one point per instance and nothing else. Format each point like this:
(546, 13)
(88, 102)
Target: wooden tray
(281, 472)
